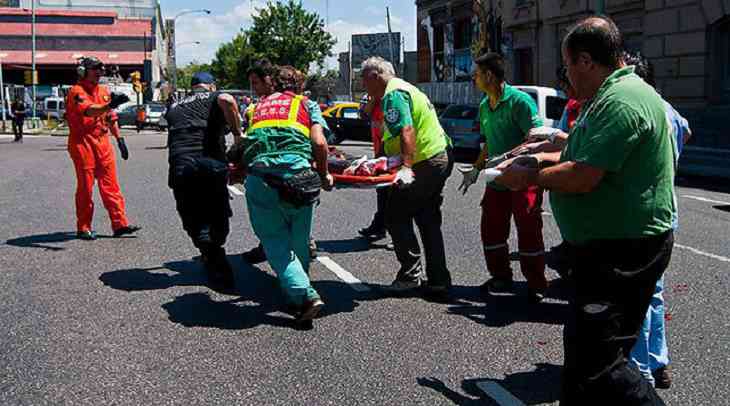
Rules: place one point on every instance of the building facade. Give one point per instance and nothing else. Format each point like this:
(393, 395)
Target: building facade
(126, 34)
(688, 42)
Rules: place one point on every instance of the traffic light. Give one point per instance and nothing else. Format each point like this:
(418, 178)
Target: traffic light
(137, 82)
(29, 76)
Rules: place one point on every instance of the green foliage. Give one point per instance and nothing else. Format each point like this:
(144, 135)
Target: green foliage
(231, 62)
(285, 33)
(289, 35)
(322, 84)
(185, 74)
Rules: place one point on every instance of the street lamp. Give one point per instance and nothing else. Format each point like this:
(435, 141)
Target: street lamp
(174, 46)
(2, 87)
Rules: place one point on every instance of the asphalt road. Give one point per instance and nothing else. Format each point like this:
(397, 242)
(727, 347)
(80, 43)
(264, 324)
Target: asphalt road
(131, 321)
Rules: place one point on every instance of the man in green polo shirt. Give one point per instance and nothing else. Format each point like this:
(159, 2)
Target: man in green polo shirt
(611, 194)
(412, 132)
(506, 115)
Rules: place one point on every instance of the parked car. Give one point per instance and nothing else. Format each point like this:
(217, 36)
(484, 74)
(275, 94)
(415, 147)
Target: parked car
(153, 113)
(153, 116)
(53, 107)
(461, 121)
(347, 122)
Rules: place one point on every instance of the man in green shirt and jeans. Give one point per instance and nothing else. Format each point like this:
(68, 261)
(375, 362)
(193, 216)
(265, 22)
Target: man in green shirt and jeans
(412, 132)
(612, 197)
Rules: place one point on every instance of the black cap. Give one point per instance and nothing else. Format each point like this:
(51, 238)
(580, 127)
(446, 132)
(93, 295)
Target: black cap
(91, 62)
(202, 78)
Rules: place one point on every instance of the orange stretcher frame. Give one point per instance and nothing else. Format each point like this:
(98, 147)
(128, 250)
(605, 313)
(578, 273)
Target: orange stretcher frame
(352, 180)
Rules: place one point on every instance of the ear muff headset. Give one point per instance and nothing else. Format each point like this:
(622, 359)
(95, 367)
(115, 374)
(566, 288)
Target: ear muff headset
(85, 63)
(81, 70)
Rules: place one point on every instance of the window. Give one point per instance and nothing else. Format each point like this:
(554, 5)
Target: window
(554, 107)
(523, 66)
(719, 61)
(52, 105)
(461, 112)
(350, 112)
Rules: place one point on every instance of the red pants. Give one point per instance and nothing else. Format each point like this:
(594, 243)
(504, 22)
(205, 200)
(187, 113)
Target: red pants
(526, 207)
(111, 195)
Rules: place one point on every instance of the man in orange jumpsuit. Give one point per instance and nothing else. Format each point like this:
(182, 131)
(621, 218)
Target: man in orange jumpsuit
(88, 108)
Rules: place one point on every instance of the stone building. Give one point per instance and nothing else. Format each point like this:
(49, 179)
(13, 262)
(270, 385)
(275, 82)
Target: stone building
(688, 41)
(128, 34)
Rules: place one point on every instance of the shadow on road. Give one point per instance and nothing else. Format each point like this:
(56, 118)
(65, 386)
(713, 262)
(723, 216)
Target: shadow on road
(712, 184)
(357, 244)
(260, 301)
(722, 207)
(42, 240)
(505, 309)
(536, 387)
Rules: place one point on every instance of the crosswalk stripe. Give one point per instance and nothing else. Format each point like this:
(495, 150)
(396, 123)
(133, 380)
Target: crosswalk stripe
(499, 394)
(341, 273)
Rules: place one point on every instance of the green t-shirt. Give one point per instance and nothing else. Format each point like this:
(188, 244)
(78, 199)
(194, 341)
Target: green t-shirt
(624, 131)
(404, 105)
(397, 111)
(506, 127)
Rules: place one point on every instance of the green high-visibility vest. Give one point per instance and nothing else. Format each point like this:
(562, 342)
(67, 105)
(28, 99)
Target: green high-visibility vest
(431, 139)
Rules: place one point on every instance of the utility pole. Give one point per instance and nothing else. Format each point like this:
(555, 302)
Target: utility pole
(349, 69)
(390, 42)
(2, 88)
(32, 56)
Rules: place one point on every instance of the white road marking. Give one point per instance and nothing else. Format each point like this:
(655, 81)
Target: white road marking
(703, 253)
(546, 213)
(703, 199)
(235, 190)
(341, 273)
(499, 394)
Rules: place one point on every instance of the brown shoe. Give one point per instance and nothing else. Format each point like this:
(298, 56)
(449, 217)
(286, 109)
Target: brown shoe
(662, 378)
(310, 309)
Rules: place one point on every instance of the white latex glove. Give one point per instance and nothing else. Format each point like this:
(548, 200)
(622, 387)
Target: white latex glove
(470, 177)
(543, 133)
(404, 177)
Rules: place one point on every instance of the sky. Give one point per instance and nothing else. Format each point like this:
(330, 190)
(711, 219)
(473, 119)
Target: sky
(228, 17)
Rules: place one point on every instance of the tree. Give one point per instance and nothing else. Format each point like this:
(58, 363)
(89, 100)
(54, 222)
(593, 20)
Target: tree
(289, 35)
(231, 61)
(322, 84)
(185, 74)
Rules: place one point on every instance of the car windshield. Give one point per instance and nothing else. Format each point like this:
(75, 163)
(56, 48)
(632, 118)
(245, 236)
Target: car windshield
(460, 112)
(157, 108)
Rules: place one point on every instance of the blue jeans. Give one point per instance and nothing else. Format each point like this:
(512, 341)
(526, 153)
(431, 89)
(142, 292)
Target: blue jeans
(650, 351)
(284, 232)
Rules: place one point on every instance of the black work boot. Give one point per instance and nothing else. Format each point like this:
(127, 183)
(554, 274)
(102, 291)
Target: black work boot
(220, 273)
(254, 256)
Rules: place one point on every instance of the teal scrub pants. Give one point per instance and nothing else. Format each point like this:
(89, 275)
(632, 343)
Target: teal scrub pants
(284, 232)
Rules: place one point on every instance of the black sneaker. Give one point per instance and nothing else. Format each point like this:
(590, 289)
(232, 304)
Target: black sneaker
(436, 293)
(220, 273)
(408, 278)
(312, 249)
(86, 235)
(310, 309)
(126, 231)
(662, 378)
(255, 256)
(535, 296)
(496, 285)
(372, 233)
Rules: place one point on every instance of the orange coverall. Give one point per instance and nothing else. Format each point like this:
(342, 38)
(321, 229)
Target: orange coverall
(93, 156)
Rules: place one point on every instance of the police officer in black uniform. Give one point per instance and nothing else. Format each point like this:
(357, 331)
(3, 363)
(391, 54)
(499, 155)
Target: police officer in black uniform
(198, 171)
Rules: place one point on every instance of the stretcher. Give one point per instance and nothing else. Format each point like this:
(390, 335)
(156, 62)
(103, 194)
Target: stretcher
(363, 182)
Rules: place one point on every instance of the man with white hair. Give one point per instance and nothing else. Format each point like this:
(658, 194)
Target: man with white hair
(412, 132)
